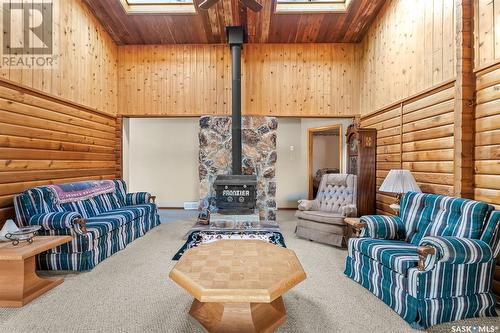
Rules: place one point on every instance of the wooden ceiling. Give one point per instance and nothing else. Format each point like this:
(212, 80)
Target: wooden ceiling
(262, 27)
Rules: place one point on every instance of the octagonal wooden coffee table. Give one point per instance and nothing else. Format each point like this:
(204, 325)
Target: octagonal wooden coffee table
(238, 284)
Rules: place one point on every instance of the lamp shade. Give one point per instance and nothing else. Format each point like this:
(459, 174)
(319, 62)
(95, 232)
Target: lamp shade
(399, 181)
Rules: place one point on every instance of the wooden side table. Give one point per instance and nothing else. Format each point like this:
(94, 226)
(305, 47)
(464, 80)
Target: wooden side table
(19, 283)
(354, 227)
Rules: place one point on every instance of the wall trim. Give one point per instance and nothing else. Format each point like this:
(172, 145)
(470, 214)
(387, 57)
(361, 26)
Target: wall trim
(184, 115)
(489, 67)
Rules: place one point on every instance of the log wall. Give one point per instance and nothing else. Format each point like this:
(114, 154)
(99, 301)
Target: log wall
(416, 134)
(487, 136)
(46, 140)
(487, 144)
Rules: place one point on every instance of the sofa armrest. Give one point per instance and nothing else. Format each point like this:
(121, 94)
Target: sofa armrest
(308, 205)
(139, 198)
(452, 250)
(59, 221)
(349, 210)
(383, 227)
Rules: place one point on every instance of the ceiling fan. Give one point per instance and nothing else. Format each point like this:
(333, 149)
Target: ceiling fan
(251, 4)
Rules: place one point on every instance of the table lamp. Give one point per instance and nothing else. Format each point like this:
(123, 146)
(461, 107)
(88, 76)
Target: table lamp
(399, 182)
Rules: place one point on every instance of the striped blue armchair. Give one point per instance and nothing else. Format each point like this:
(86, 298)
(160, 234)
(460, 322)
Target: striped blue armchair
(433, 263)
(101, 223)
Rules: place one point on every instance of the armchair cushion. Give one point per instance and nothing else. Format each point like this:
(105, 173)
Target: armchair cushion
(137, 198)
(394, 254)
(337, 180)
(426, 214)
(323, 217)
(336, 191)
(381, 226)
(456, 250)
(56, 220)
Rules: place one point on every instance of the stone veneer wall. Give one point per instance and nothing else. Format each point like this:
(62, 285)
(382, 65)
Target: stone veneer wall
(259, 158)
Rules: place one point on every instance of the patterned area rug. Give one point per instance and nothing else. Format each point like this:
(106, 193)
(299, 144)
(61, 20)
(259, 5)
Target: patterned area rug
(199, 237)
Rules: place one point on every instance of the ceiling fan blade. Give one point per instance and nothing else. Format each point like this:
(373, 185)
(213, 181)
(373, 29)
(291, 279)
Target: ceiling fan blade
(207, 4)
(251, 4)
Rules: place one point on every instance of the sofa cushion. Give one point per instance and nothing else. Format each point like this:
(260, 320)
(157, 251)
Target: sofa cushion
(396, 255)
(437, 215)
(106, 222)
(320, 216)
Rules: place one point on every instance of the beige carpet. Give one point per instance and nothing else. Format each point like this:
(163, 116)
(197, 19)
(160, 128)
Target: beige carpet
(131, 292)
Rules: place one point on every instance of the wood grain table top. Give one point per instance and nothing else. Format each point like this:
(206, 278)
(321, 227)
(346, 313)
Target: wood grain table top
(25, 250)
(238, 271)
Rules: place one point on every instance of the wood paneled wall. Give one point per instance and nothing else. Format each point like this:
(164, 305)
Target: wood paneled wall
(416, 134)
(277, 79)
(87, 67)
(409, 48)
(45, 140)
(486, 32)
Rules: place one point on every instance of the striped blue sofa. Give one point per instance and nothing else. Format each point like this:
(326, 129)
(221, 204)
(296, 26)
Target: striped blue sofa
(100, 225)
(433, 263)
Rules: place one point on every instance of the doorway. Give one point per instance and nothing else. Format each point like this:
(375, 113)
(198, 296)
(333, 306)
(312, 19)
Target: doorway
(324, 154)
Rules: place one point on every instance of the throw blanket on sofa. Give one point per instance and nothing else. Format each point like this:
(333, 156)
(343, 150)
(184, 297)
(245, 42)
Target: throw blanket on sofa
(202, 237)
(71, 192)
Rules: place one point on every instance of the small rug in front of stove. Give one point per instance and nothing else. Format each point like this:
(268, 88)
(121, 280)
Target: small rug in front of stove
(206, 236)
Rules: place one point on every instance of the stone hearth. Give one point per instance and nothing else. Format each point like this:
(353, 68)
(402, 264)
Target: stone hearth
(259, 158)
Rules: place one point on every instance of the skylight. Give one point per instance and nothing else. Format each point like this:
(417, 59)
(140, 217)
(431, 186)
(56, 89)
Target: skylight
(311, 6)
(158, 6)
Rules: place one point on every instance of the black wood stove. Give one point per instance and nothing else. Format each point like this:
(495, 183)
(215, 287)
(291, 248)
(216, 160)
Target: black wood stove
(236, 194)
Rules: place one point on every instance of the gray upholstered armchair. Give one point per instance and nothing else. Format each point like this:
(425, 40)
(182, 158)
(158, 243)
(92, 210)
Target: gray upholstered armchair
(322, 219)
